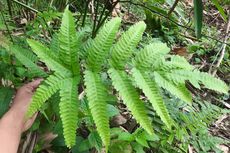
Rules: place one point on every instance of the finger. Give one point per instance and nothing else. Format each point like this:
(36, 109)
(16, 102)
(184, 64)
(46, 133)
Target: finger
(34, 84)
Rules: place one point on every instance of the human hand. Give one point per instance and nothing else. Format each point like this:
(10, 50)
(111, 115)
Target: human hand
(22, 101)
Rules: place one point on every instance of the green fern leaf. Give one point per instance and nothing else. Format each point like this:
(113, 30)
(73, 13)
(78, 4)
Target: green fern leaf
(69, 110)
(85, 47)
(48, 58)
(151, 90)
(207, 80)
(96, 95)
(123, 49)
(179, 90)
(54, 45)
(83, 34)
(178, 62)
(27, 59)
(169, 63)
(68, 42)
(177, 78)
(130, 97)
(100, 46)
(147, 57)
(50, 86)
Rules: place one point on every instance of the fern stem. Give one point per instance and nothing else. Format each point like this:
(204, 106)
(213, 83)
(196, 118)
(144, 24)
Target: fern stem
(95, 19)
(85, 13)
(102, 13)
(9, 8)
(106, 16)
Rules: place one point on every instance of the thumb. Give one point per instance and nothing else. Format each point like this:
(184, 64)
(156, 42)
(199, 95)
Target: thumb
(34, 84)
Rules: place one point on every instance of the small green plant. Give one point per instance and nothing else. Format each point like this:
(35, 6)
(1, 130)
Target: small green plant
(192, 122)
(149, 69)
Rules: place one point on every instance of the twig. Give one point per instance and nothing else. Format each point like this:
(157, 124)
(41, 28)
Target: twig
(51, 3)
(92, 8)
(173, 7)
(33, 142)
(190, 149)
(189, 37)
(214, 60)
(26, 142)
(214, 19)
(47, 26)
(222, 102)
(26, 6)
(29, 143)
(223, 48)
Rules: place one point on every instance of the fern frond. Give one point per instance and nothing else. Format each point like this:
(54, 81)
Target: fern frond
(207, 80)
(147, 57)
(82, 34)
(179, 90)
(69, 110)
(85, 47)
(130, 97)
(50, 86)
(54, 45)
(177, 78)
(101, 45)
(123, 49)
(96, 95)
(151, 90)
(178, 62)
(48, 58)
(68, 42)
(170, 62)
(28, 59)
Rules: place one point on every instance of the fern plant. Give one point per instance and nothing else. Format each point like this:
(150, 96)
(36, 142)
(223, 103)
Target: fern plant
(65, 79)
(150, 69)
(193, 122)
